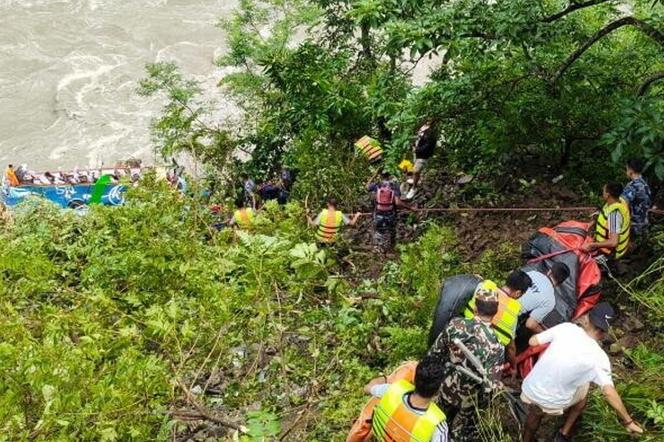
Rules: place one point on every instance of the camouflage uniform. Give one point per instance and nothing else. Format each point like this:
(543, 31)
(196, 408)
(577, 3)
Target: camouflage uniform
(459, 395)
(637, 193)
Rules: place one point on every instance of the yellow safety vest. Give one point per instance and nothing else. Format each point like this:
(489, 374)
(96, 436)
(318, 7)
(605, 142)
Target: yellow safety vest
(369, 148)
(505, 320)
(392, 421)
(244, 218)
(602, 227)
(329, 225)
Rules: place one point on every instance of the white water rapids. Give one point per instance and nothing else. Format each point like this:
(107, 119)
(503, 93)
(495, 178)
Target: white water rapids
(69, 72)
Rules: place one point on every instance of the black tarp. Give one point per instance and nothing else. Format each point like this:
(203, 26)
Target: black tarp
(454, 295)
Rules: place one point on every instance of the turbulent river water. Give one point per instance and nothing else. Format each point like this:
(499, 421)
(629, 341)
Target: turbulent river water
(69, 70)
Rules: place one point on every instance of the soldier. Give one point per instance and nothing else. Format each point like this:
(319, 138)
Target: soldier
(459, 394)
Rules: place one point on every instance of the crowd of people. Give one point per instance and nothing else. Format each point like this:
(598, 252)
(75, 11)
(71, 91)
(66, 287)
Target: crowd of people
(438, 398)
(22, 176)
(441, 397)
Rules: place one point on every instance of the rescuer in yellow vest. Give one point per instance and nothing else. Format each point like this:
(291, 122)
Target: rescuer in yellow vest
(506, 319)
(243, 217)
(329, 221)
(612, 226)
(406, 411)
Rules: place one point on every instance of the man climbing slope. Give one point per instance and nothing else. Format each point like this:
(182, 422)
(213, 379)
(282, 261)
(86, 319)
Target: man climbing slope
(423, 150)
(329, 221)
(540, 299)
(561, 378)
(387, 200)
(459, 394)
(406, 412)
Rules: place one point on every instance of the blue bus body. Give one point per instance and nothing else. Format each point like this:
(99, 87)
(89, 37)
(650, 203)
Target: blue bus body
(66, 195)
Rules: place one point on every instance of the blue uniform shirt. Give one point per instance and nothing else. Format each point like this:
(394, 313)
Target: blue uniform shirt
(637, 194)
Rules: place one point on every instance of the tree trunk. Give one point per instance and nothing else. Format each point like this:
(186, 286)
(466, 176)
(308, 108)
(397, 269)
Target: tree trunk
(651, 31)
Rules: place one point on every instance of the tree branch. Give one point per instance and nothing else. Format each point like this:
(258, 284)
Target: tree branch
(573, 6)
(649, 30)
(201, 412)
(648, 82)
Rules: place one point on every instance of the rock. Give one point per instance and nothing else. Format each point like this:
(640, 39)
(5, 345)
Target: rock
(632, 324)
(628, 341)
(465, 179)
(616, 348)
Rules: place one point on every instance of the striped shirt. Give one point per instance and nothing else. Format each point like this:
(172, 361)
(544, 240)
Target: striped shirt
(615, 222)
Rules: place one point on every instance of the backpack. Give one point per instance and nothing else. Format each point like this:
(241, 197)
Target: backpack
(385, 198)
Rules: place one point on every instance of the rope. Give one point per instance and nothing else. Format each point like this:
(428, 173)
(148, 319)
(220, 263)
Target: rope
(499, 209)
(550, 255)
(511, 209)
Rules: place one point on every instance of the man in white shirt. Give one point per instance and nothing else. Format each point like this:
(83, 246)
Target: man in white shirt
(560, 379)
(540, 299)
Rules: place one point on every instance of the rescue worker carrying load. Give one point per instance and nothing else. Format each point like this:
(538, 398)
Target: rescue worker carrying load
(369, 148)
(387, 201)
(612, 227)
(329, 221)
(404, 411)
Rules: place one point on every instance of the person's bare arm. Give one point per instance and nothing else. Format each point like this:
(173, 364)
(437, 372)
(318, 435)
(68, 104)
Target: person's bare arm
(610, 243)
(373, 177)
(372, 383)
(613, 398)
(510, 350)
(534, 326)
(353, 221)
(533, 341)
(399, 203)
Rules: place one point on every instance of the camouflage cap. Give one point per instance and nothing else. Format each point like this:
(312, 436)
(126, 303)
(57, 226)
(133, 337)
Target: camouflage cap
(487, 291)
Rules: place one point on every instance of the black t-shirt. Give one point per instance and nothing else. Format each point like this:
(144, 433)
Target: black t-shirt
(425, 144)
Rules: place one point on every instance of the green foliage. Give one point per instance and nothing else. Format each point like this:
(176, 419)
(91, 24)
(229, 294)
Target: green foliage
(642, 392)
(105, 316)
(640, 133)
(642, 388)
(185, 124)
(496, 263)
(262, 426)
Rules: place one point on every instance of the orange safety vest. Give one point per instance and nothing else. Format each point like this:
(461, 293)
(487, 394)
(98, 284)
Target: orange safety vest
(329, 225)
(11, 177)
(369, 148)
(393, 422)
